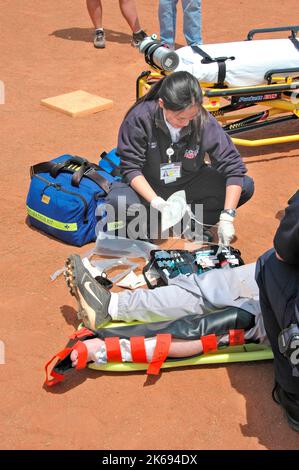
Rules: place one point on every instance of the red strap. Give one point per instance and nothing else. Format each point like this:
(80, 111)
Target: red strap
(138, 349)
(82, 332)
(82, 354)
(160, 354)
(55, 376)
(236, 337)
(209, 343)
(113, 349)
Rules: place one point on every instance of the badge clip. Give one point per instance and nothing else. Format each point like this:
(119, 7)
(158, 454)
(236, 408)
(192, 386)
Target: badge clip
(169, 153)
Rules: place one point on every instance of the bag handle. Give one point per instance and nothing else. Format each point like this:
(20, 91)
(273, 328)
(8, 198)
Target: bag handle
(54, 168)
(98, 179)
(115, 167)
(86, 169)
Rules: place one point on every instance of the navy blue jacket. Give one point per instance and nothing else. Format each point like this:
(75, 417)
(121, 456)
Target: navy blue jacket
(286, 240)
(144, 138)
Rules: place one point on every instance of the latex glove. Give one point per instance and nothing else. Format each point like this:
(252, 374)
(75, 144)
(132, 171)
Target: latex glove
(159, 203)
(226, 229)
(172, 211)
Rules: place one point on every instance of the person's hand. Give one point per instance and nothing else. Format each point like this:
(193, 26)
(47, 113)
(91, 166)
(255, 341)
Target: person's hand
(159, 203)
(172, 211)
(226, 229)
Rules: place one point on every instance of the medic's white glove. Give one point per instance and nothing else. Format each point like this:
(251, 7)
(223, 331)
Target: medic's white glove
(172, 210)
(226, 229)
(159, 203)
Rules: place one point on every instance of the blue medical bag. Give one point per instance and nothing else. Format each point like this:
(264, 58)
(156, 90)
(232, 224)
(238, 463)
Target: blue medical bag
(64, 196)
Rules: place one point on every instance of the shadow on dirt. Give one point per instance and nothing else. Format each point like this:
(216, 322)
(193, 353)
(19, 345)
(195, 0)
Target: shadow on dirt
(86, 35)
(265, 419)
(70, 316)
(254, 380)
(73, 378)
(277, 130)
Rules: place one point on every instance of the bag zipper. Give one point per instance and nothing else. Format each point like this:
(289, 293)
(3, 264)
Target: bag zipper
(60, 188)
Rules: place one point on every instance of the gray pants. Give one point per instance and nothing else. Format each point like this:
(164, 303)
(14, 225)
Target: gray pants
(162, 303)
(214, 290)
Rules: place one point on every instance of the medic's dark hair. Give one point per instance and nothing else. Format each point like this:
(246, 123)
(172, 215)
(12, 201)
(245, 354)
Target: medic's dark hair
(178, 91)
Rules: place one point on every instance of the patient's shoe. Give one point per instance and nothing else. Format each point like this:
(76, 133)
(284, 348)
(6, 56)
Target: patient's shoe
(290, 404)
(93, 299)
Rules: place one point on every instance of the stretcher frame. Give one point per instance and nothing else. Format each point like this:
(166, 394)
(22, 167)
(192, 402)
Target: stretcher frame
(242, 109)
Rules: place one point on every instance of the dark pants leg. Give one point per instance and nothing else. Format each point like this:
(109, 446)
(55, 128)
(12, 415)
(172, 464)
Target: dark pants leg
(278, 285)
(127, 206)
(209, 188)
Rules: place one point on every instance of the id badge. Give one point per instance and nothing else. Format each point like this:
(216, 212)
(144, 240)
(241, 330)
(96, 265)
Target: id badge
(169, 172)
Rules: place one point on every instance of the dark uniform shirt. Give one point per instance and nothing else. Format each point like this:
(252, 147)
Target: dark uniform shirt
(286, 240)
(144, 138)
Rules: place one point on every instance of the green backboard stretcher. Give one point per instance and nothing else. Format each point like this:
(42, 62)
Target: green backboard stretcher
(245, 353)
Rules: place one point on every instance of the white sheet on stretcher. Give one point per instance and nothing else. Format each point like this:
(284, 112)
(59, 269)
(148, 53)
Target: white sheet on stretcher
(252, 60)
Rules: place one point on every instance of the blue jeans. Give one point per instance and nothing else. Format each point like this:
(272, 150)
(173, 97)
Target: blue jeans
(192, 21)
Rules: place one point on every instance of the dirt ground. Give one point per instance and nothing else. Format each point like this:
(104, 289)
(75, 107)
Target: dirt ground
(46, 50)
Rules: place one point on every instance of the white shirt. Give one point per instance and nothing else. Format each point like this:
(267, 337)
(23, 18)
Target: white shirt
(174, 131)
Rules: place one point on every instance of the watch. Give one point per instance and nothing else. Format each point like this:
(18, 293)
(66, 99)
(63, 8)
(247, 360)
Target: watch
(231, 212)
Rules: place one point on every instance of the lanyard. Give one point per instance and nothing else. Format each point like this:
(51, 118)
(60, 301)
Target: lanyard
(169, 153)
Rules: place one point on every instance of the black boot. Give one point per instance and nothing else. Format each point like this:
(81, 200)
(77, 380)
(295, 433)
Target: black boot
(290, 404)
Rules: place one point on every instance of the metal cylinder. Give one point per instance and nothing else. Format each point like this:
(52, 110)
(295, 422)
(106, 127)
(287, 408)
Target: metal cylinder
(158, 55)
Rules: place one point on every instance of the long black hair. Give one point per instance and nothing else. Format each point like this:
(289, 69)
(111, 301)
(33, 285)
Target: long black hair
(178, 91)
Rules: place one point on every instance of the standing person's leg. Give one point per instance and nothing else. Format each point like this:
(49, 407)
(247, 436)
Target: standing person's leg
(167, 20)
(192, 21)
(278, 285)
(95, 11)
(129, 12)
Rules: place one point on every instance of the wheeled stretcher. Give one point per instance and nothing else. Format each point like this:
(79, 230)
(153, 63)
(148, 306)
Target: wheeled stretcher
(247, 85)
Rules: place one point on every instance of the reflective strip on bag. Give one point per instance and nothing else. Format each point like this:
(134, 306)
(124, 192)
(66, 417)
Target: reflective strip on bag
(117, 225)
(65, 226)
